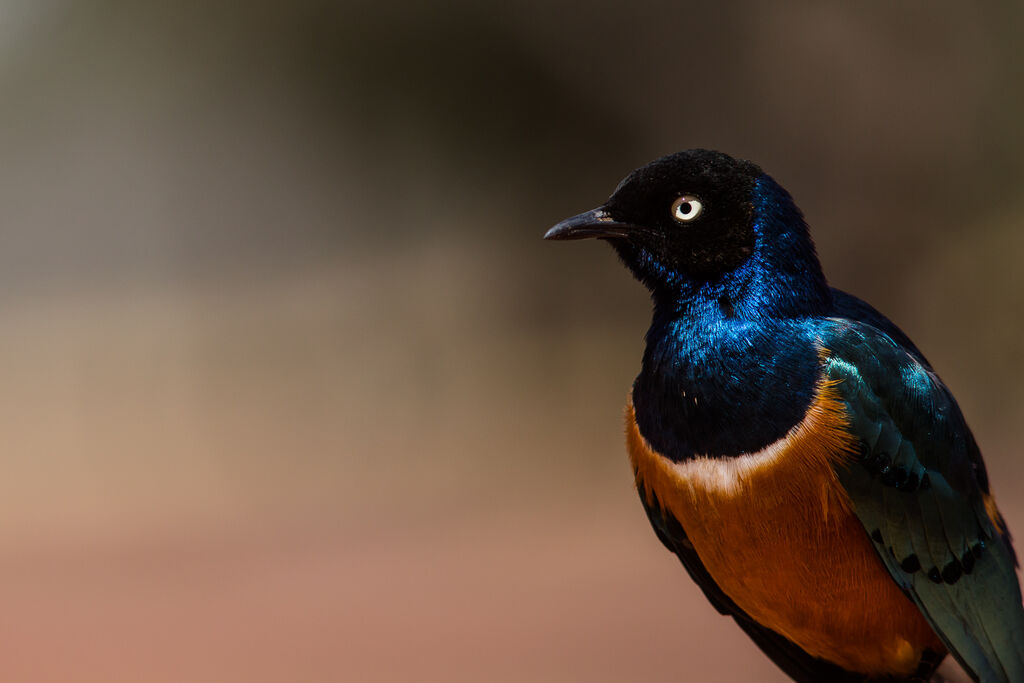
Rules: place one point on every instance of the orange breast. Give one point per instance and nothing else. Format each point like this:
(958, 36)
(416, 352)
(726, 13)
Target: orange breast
(777, 533)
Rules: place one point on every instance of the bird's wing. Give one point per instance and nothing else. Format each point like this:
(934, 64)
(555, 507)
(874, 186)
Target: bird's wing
(920, 489)
(787, 655)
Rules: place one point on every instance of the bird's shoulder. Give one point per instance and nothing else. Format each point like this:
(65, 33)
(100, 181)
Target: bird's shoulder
(847, 307)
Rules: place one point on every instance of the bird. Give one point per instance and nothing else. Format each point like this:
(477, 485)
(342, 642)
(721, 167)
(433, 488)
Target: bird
(794, 448)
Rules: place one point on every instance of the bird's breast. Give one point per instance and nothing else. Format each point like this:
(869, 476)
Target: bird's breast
(777, 533)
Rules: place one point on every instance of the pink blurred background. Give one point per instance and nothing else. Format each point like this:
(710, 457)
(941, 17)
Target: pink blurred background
(293, 391)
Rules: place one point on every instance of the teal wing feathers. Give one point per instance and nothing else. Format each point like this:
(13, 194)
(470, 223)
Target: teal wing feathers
(920, 489)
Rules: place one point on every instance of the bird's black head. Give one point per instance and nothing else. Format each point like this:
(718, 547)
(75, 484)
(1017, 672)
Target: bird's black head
(702, 225)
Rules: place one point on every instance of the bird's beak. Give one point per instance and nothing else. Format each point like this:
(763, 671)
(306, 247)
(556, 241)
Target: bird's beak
(590, 224)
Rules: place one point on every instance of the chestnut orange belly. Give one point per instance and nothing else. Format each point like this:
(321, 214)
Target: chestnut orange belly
(777, 533)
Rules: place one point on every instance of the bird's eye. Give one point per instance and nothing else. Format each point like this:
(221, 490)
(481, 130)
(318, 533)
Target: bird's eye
(686, 208)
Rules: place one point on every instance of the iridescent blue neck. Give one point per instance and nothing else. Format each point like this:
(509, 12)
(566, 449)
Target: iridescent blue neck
(709, 384)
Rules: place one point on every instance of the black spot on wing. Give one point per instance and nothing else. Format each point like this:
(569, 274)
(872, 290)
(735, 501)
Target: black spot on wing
(952, 572)
(910, 564)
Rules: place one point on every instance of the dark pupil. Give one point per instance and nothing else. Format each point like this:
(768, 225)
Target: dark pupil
(684, 208)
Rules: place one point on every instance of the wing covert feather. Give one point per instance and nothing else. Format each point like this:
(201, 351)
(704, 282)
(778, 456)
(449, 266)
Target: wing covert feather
(920, 489)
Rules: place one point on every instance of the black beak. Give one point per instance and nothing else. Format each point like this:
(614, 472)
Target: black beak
(590, 224)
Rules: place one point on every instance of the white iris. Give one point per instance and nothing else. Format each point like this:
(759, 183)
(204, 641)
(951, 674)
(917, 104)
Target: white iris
(686, 208)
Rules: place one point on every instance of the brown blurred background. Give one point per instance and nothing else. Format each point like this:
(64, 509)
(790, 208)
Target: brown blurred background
(293, 391)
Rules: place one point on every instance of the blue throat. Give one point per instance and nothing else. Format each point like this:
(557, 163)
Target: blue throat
(731, 364)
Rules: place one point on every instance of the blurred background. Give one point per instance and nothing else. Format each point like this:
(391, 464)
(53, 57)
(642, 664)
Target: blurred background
(292, 390)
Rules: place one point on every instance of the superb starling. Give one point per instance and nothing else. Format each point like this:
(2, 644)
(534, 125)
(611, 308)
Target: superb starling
(794, 448)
